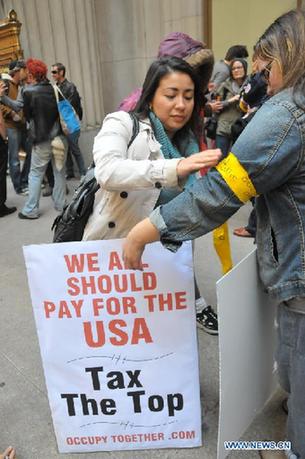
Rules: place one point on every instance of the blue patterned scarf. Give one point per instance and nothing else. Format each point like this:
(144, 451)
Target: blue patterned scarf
(188, 146)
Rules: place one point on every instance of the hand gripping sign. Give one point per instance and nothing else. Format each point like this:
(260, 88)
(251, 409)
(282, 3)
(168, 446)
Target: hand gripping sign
(118, 347)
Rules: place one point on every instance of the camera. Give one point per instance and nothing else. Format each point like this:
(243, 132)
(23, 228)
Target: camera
(4, 82)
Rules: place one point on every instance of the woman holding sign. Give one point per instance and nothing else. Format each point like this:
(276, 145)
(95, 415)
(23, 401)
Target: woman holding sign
(138, 174)
(268, 161)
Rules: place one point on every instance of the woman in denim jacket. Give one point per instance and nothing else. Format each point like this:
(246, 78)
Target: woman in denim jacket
(268, 161)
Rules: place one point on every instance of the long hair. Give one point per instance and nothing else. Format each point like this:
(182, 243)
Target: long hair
(243, 63)
(284, 42)
(159, 69)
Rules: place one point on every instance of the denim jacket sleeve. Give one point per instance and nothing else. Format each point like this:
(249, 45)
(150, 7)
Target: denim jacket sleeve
(267, 155)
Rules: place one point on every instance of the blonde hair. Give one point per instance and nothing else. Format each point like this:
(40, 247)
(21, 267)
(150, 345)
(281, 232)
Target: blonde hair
(284, 42)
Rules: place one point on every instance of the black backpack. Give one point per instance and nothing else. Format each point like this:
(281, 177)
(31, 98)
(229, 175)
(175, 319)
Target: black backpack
(70, 224)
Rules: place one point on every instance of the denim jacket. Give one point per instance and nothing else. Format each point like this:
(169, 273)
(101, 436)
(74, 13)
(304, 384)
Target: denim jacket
(266, 161)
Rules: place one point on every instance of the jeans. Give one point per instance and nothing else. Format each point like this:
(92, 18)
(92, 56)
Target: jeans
(3, 166)
(223, 142)
(75, 151)
(290, 357)
(17, 137)
(251, 226)
(41, 155)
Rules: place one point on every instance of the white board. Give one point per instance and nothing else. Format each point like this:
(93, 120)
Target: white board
(246, 346)
(118, 347)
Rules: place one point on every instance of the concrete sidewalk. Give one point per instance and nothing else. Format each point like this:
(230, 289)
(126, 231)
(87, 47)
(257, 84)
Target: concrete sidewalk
(24, 410)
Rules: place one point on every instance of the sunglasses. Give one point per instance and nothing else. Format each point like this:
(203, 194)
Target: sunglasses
(54, 72)
(266, 72)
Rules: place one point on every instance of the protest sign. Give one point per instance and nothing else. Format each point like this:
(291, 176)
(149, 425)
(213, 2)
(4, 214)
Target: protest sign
(246, 348)
(118, 347)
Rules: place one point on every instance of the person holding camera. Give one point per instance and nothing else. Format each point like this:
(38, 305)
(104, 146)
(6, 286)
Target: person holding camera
(16, 128)
(4, 210)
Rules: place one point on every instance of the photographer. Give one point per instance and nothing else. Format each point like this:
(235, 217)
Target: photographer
(4, 210)
(16, 130)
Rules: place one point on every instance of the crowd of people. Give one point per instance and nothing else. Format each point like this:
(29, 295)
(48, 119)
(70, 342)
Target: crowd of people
(172, 183)
(30, 123)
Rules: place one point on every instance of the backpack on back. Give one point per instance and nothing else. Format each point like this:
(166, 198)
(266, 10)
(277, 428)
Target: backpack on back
(70, 224)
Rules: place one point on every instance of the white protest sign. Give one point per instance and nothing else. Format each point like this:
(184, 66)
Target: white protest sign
(118, 347)
(246, 347)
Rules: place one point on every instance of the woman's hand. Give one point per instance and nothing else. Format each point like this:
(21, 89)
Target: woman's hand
(234, 99)
(134, 245)
(206, 158)
(9, 453)
(216, 106)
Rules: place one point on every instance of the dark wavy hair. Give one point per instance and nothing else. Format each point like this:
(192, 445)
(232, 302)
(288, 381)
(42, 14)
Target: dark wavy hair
(236, 51)
(158, 70)
(284, 42)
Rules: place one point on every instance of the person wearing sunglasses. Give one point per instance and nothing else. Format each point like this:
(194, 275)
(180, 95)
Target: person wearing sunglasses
(70, 92)
(267, 161)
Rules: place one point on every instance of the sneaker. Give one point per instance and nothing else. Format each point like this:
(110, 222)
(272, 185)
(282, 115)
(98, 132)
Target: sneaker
(26, 217)
(47, 191)
(207, 320)
(24, 192)
(70, 176)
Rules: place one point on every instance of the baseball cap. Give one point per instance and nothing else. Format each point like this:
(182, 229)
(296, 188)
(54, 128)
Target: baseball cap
(16, 65)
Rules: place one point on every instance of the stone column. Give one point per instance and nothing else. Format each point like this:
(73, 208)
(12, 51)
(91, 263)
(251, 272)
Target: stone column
(129, 33)
(65, 31)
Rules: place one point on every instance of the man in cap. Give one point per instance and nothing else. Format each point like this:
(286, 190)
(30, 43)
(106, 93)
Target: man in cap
(15, 127)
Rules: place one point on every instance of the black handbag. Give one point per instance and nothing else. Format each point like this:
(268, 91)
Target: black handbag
(70, 224)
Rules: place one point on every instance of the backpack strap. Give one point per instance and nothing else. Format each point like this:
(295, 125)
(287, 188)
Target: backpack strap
(135, 127)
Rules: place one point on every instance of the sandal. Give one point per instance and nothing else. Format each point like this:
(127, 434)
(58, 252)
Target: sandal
(242, 232)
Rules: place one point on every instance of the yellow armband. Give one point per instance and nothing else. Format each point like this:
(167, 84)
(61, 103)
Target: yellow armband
(237, 178)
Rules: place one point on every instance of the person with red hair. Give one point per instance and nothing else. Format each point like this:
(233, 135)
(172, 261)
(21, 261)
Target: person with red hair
(36, 68)
(49, 143)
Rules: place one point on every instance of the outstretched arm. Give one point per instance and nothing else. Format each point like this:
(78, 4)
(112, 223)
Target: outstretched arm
(140, 235)
(252, 168)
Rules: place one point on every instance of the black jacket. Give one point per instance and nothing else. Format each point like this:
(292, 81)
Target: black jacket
(40, 110)
(71, 94)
